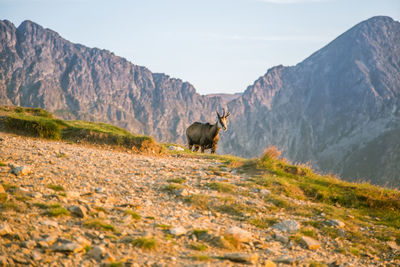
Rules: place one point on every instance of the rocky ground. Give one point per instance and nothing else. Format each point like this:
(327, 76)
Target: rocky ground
(75, 205)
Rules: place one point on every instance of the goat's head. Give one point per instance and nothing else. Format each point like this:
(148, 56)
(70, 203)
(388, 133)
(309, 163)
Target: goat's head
(223, 120)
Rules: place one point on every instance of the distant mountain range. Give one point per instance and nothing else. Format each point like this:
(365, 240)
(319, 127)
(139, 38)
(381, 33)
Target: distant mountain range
(339, 109)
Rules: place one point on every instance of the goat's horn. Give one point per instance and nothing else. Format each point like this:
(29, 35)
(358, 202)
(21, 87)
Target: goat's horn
(223, 110)
(217, 113)
(227, 114)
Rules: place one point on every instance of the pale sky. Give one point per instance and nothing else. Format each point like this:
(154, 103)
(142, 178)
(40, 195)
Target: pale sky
(219, 46)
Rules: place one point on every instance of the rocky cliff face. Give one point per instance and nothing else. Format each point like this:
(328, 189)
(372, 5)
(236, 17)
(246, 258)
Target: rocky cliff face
(339, 109)
(39, 68)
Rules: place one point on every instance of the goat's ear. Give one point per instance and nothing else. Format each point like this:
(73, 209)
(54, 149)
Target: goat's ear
(219, 116)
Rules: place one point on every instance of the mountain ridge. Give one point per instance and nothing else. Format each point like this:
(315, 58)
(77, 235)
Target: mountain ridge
(339, 101)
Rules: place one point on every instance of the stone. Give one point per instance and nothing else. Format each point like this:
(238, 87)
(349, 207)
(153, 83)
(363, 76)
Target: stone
(310, 243)
(99, 190)
(285, 259)
(242, 257)
(67, 247)
(5, 229)
(73, 194)
(78, 210)
(97, 252)
(182, 192)
(281, 237)
(289, 226)
(30, 244)
(239, 233)
(35, 195)
(175, 148)
(265, 192)
(393, 245)
(36, 255)
(49, 223)
(48, 240)
(20, 170)
(269, 263)
(334, 223)
(178, 230)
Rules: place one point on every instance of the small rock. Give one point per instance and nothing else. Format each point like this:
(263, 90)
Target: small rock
(67, 247)
(5, 229)
(50, 223)
(269, 263)
(20, 170)
(175, 148)
(334, 223)
(36, 255)
(73, 194)
(35, 195)
(265, 192)
(97, 252)
(288, 226)
(99, 190)
(79, 211)
(285, 259)
(182, 192)
(48, 241)
(393, 245)
(310, 243)
(242, 257)
(239, 234)
(281, 237)
(178, 231)
(29, 244)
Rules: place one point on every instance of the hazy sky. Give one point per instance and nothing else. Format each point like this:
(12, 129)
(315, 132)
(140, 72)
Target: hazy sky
(217, 45)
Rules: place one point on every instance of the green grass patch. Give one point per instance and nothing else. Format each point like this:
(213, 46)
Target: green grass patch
(221, 187)
(200, 233)
(41, 123)
(56, 187)
(116, 264)
(263, 222)
(200, 201)
(145, 243)
(99, 225)
(133, 214)
(163, 226)
(2, 164)
(55, 212)
(177, 180)
(87, 248)
(46, 206)
(172, 187)
(200, 257)
(198, 246)
(10, 205)
(308, 232)
(3, 197)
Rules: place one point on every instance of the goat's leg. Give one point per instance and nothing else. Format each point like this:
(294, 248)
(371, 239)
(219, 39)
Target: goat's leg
(202, 149)
(196, 148)
(213, 148)
(190, 147)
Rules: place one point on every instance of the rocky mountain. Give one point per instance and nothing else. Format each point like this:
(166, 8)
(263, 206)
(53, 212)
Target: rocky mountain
(41, 69)
(339, 109)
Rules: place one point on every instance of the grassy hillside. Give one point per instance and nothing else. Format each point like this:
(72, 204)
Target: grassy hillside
(371, 214)
(41, 123)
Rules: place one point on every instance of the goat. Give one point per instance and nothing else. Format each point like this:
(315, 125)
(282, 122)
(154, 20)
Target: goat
(206, 135)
